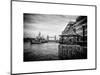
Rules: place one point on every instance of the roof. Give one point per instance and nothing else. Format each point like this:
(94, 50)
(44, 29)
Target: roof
(69, 35)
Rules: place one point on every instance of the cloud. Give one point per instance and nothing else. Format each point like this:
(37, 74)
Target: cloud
(45, 23)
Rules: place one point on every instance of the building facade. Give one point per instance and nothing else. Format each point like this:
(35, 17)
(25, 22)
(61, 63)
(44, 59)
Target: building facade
(73, 40)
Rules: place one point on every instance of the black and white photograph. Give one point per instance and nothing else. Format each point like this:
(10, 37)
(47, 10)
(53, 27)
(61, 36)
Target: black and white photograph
(54, 37)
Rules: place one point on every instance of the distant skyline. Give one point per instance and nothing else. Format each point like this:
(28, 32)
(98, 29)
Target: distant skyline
(47, 24)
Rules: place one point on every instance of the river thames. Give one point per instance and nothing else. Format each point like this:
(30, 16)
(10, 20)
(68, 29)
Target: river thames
(38, 52)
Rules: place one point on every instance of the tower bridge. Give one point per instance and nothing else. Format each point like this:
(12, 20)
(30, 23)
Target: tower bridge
(54, 38)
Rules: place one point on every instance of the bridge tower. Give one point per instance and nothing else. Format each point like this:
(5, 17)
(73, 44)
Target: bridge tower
(47, 37)
(55, 37)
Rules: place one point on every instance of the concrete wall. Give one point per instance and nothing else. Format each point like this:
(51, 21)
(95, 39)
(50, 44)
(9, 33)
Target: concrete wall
(72, 52)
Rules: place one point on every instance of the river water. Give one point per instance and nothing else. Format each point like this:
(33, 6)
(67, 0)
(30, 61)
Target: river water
(38, 52)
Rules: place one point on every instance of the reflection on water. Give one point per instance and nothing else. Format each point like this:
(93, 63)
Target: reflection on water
(45, 51)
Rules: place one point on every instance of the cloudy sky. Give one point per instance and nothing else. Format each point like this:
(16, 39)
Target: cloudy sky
(46, 24)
